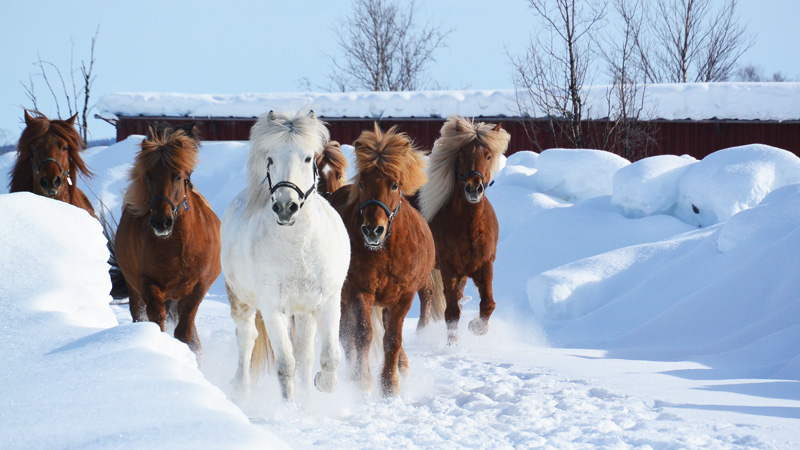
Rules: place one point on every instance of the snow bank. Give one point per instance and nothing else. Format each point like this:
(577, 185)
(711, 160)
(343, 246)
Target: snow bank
(71, 377)
(649, 186)
(576, 174)
(697, 101)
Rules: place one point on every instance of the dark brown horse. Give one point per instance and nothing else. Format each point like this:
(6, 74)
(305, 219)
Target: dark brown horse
(167, 242)
(392, 252)
(332, 166)
(49, 161)
(461, 166)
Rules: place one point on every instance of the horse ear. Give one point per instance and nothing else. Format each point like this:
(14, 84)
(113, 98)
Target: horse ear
(497, 127)
(312, 115)
(460, 126)
(271, 115)
(71, 120)
(28, 118)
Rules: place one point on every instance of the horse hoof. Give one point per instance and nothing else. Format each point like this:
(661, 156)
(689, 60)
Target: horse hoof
(325, 382)
(479, 326)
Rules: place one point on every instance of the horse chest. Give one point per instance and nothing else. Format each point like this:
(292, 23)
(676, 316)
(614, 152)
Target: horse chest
(468, 241)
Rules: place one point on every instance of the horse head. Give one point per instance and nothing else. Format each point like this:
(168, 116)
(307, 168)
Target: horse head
(389, 167)
(290, 145)
(474, 167)
(164, 166)
(332, 165)
(52, 146)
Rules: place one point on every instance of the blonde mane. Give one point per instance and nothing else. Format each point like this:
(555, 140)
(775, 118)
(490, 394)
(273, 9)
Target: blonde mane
(456, 133)
(393, 155)
(177, 151)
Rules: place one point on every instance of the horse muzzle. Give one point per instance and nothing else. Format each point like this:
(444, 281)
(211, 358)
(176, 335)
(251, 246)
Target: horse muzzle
(286, 208)
(474, 193)
(162, 226)
(374, 236)
(51, 187)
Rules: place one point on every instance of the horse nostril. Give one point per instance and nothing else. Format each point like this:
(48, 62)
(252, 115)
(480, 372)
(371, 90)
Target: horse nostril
(153, 222)
(168, 222)
(293, 207)
(480, 189)
(275, 207)
(56, 182)
(379, 230)
(43, 183)
(364, 230)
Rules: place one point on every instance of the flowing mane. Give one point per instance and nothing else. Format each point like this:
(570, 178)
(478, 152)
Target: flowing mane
(38, 127)
(332, 160)
(456, 133)
(177, 151)
(393, 155)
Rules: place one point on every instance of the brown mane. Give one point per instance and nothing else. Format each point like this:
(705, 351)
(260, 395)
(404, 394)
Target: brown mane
(457, 133)
(332, 158)
(177, 151)
(38, 127)
(393, 155)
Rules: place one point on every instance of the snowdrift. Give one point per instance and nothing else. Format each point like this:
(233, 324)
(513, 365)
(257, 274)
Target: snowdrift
(65, 358)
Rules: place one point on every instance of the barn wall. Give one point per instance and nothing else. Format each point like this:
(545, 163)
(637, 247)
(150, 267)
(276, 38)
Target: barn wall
(670, 137)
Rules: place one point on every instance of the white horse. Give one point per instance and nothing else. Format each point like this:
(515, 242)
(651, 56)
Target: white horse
(285, 254)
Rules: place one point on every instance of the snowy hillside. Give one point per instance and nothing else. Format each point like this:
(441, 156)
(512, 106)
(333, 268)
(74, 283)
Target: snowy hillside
(644, 305)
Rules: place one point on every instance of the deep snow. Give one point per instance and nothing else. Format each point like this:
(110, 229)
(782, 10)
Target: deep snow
(620, 323)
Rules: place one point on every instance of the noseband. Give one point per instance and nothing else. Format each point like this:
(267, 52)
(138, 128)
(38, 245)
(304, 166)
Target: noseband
(389, 213)
(175, 208)
(288, 184)
(463, 178)
(38, 168)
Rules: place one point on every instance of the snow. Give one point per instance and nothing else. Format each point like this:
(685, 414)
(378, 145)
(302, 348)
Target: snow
(696, 101)
(624, 320)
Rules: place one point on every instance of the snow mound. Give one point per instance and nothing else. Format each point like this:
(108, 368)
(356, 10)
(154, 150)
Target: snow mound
(649, 186)
(577, 174)
(731, 180)
(67, 361)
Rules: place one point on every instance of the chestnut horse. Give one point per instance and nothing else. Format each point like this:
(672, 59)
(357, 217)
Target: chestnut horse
(392, 252)
(332, 166)
(461, 166)
(167, 241)
(49, 161)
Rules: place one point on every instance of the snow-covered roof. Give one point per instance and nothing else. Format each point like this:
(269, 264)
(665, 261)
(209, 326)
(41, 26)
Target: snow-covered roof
(694, 101)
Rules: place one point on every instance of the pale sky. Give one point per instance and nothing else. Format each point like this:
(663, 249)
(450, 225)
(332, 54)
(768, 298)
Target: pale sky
(265, 46)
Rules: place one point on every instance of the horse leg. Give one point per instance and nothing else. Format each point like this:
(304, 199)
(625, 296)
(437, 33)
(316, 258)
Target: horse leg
(453, 291)
(483, 280)
(361, 310)
(393, 344)
(246, 333)
(328, 318)
(346, 327)
(277, 325)
(425, 302)
(156, 308)
(186, 331)
(137, 306)
(304, 330)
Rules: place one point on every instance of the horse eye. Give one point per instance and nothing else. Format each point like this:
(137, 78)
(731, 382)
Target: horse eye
(65, 148)
(488, 157)
(394, 187)
(308, 159)
(178, 179)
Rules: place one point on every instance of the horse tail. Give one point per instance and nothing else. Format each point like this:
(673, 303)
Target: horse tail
(439, 302)
(262, 351)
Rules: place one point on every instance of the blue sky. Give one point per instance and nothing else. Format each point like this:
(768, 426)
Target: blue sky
(265, 46)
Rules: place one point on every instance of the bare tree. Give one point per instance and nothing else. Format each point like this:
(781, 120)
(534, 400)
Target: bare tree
(81, 87)
(692, 41)
(383, 48)
(626, 133)
(550, 76)
(753, 73)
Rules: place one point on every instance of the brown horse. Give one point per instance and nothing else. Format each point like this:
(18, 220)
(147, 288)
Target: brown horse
(49, 161)
(392, 251)
(461, 166)
(332, 166)
(167, 242)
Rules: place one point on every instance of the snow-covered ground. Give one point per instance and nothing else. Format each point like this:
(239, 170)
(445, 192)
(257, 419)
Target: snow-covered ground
(645, 305)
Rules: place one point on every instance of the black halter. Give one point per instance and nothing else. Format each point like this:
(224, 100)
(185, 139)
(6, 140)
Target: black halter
(175, 208)
(303, 195)
(389, 212)
(38, 168)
